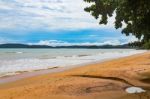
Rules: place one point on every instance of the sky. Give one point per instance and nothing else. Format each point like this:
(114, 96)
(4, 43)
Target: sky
(55, 22)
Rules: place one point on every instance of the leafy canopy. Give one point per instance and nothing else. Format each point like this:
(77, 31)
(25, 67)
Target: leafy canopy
(134, 13)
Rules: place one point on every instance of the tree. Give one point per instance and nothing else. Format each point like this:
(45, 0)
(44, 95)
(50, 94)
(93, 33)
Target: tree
(134, 13)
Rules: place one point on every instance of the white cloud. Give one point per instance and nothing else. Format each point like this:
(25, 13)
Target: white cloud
(21, 16)
(63, 43)
(46, 14)
(104, 41)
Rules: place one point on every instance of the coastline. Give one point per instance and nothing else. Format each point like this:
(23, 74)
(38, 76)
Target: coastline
(27, 74)
(12, 62)
(90, 81)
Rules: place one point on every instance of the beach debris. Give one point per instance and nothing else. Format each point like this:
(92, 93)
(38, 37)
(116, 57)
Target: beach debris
(134, 90)
(137, 90)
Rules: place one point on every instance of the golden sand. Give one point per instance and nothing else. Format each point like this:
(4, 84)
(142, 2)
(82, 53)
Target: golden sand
(107, 80)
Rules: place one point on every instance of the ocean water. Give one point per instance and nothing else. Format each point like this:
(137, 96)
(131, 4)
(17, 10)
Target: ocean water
(13, 61)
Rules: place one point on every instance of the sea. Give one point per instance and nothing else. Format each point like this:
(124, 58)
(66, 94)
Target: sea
(13, 61)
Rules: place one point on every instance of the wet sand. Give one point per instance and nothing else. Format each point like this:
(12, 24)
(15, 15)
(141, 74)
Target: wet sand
(28, 74)
(106, 80)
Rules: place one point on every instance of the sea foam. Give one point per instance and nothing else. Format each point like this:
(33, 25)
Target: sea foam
(31, 61)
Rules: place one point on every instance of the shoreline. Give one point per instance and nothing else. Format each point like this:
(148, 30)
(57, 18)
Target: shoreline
(28, 74)
(21, 65)
(107, 79)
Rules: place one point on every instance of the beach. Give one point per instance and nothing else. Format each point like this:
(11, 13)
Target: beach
(104, 80)
(74, 49)
(17, 61)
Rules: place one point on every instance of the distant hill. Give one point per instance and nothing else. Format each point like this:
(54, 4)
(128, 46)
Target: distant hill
(12, 45)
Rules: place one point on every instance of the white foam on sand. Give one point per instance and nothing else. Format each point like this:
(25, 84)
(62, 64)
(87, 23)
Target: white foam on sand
(10, 67)
(133, 90)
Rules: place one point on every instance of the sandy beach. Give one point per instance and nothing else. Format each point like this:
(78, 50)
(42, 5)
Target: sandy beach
(105, 80)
